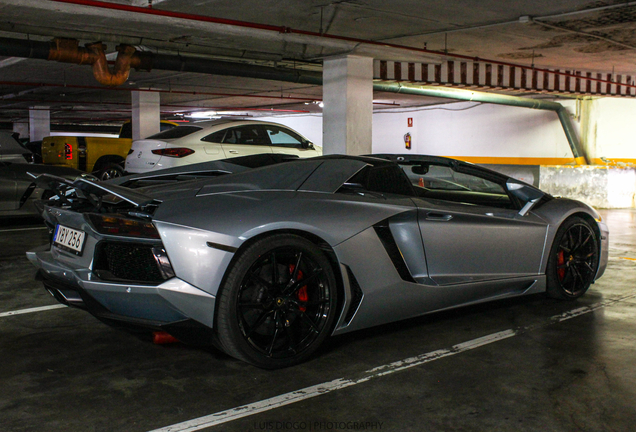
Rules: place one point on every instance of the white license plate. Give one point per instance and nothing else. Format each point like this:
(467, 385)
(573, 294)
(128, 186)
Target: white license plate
(69, 239)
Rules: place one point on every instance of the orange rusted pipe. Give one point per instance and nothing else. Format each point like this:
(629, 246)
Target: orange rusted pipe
(69, 51)
(120, 72)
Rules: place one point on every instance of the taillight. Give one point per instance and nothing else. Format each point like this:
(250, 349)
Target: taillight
(120, 226)
(177, 152)
(68, 151)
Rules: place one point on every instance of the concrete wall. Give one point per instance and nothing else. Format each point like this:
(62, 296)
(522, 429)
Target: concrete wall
(600, 187)
(608, 129)
(473, 132)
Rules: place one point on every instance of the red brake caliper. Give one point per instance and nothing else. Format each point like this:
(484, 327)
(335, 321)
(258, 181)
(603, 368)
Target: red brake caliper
(560, 262)
(301, 294)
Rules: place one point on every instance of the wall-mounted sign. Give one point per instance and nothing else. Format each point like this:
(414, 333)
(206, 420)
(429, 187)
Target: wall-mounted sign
(409, 122)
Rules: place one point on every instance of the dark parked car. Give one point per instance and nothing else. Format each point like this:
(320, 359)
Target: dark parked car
(18, 191)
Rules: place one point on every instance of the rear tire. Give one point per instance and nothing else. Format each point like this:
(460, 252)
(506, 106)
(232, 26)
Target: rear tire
(278, 302)
(573, 260)
(111, 171)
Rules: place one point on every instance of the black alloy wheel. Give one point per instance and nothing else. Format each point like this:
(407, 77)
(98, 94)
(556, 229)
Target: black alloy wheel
(573, 260)
(278, 302)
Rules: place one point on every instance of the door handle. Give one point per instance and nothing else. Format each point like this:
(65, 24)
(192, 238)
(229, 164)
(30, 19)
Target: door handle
(438, 217)
(233, 151)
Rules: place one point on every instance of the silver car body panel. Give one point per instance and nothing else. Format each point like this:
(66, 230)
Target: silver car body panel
(397, 256)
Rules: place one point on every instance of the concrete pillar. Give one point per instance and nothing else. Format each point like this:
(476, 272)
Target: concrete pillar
(348, 105)
(145, 114)
(39, 123)
(22, 128)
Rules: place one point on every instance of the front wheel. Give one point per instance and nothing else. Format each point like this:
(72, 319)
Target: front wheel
(278, 302)
(573, 260)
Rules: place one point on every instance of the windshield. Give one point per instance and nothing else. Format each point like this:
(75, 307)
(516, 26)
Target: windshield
(437, 177)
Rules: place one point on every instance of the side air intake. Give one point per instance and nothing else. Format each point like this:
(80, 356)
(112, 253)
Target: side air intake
(384, 233)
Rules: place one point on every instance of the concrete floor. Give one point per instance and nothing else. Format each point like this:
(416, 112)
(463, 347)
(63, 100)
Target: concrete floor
(557, 370)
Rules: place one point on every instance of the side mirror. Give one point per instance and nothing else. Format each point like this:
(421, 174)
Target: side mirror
(308, 145)
(526, 193)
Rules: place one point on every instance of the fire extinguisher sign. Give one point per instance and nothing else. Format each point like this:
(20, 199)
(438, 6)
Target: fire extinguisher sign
(409, 122)
(407, 141)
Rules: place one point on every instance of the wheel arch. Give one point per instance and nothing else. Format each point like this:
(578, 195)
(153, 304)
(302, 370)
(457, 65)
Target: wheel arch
(557, 212)
(313, 238)
(589, 219)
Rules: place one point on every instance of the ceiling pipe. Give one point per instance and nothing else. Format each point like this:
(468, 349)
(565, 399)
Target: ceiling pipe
(69, 51)
(176, 107)
(120, 72)
(494, 98)
(128, 89)
(216, 67)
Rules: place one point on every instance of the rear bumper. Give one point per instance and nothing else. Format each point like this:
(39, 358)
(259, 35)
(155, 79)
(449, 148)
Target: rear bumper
(169, 304)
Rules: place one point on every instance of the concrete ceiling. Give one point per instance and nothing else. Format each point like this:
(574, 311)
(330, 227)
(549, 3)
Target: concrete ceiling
(593, 36)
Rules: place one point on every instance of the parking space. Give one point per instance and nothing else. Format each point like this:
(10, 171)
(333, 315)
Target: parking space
(522, 364)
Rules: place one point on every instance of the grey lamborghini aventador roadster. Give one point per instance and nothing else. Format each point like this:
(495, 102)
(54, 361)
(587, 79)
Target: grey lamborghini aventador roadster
(265, 263)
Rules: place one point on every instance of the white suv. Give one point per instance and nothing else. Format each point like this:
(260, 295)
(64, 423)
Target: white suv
(216, 139)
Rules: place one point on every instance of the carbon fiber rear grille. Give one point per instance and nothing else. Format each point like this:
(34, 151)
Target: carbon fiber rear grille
(126, 262)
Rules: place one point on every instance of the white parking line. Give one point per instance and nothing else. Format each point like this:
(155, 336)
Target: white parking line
(22, 229)
(232, 414)
(31, 310)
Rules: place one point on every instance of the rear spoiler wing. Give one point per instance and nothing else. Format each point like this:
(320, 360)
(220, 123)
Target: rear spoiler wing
(91, 191)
